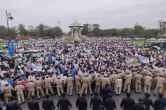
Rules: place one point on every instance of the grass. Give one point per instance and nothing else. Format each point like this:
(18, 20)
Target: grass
(139, 42)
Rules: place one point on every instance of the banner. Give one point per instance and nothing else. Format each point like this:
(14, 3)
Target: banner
(143, 59)
(11, 47)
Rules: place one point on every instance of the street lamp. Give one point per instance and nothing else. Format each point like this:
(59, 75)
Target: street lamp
(8, 17)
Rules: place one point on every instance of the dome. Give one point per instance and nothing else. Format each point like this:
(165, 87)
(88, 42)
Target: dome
(75, 23)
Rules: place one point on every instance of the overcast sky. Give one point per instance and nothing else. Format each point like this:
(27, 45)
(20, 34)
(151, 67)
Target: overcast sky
(107, 13)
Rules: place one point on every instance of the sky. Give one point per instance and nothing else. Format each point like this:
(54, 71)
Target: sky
(107, 13)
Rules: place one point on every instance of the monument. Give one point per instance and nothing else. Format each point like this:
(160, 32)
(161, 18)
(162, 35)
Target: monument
(76, 30)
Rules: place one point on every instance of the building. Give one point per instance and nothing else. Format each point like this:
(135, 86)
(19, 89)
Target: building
(163, 28)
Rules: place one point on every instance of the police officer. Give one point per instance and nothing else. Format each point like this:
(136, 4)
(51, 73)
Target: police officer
(127, 103)
(81, 103)
(109, 103)
(98, 83)
(139, 105)
(20, 92)
(33, 105)
(78, 84)
(118, 85)
(69, 82)
(138, 79)
(13, 105)
(48, 85)
(89, 79)
(31, 89)
(59, 85)
(48, 104)
(64, 103)
(38, 84)
(96, 102)
(84, 89)
(147, 101)
(105, 81)
(6, 92)
(127, 82)
(159, 83)
(147, 83)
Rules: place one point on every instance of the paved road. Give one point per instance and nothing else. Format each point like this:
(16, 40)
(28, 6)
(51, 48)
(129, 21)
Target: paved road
(73, 100)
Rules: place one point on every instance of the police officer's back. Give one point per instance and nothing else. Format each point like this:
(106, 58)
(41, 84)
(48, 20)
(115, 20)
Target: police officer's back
(127, 103)
(96, 102)
(48, 104)
(33, 105)
(160, 103)
(110, 103)
(139, 105)
(147, 101)
(64, 103)
(13, 105)
(81, 103)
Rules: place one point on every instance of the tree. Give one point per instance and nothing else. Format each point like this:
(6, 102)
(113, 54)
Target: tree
(41, 30)
(32, 31)
(96, 29)
(127, 31)
(54, 32)
(139, 30)
(58, 31)
(85, 29)
(22, 30)
(151, 33)
(3, 31)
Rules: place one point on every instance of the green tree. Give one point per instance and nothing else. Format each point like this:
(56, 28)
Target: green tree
(96, 30)
(41, 30)
(22, 30)
(152, 33)
(3, 31)
(54, 32)
(127, 31)
(139, 30)
(85, 29)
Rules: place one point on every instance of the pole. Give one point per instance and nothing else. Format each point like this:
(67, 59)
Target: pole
(7, 21)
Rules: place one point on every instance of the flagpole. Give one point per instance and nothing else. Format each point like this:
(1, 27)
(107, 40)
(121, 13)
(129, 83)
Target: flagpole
(7, 21)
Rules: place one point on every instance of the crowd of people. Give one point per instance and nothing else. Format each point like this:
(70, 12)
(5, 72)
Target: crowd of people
(92, 66)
